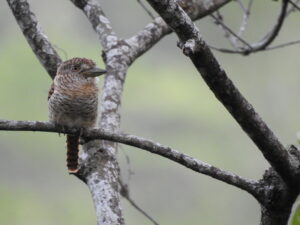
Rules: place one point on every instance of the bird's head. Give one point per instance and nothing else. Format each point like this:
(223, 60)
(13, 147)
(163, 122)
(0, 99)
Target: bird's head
(79, 69)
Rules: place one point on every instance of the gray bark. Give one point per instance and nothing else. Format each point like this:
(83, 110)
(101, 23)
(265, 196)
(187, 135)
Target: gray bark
(286, 165)
(251, 186)
(99, 169)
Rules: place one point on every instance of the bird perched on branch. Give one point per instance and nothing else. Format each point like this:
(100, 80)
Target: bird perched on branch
(73, 101)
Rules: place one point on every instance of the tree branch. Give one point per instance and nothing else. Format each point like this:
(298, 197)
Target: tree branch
(36, 38)
(265, 41)
(156, 30)
(99, 21)
(224, 89)
(115, 57)
(125, 193)
(269, 38)
(98, 169)
(201, 167)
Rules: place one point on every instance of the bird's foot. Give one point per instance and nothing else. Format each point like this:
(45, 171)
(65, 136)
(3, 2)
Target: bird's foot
(62, 128)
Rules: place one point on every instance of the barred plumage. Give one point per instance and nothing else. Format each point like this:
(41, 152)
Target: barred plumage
(73, 101)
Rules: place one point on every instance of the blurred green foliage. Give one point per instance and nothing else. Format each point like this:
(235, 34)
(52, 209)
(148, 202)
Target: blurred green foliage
(164, 99)
(295, 217)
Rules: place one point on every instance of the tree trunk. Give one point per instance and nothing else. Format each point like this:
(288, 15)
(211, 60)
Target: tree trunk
(275, 217)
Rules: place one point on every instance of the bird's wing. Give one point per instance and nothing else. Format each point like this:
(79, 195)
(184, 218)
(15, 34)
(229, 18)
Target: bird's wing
(51, 90)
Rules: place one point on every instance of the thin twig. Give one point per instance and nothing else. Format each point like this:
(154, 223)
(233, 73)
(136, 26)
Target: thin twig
(99, 21)
(293, 8)
(294, 4)
(125, 193)
(246, 16)
(241, 4)
(231, 51)
(128, 163)
(270, 37)
(231, 38)
(231, 32)
(265, 41)
(283, 45)
(146, 10)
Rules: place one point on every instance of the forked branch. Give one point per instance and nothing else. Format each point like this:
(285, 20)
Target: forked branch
(36, 38)
(224, 89)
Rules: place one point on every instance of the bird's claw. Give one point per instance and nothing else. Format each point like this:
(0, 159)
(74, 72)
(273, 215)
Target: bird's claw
(63, 130)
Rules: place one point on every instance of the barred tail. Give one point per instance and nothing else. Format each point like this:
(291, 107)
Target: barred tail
(72, 153)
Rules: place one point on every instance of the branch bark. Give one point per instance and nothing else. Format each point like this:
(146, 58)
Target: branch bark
(36, 38)
(224, 89)
(279, 197)
(104, 153)
(156, 30)
(101, 24)
(99, 169)
(248, 185)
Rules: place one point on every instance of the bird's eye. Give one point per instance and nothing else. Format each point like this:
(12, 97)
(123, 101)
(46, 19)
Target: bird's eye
(76, 67)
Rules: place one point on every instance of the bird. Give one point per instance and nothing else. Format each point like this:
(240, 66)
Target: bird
(73, 101)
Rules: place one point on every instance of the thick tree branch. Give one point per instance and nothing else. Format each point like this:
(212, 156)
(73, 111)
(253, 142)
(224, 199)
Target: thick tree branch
(224, 89)
(99, 21)
(36, 38)
(156, 30)
(99, 172)
(116, 60)
(201, 167)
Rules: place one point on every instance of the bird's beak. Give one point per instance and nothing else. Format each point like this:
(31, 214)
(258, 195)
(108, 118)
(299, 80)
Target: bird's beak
(94, 72)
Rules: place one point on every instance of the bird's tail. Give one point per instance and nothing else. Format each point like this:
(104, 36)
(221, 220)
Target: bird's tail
(72, 153)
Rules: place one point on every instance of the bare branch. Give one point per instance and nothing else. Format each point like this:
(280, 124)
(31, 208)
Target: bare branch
(283, 45)
(246, 15)
(36, 38)
(99, 172)
(115, 58)
(231, 32)
(99, 21)
(230, 51)
(125, 193)
(269, 38)
(156, 30)
(225, 90)
(145, 8)
(294, 5)
(219, 21)
(201, 167)
(264, 42)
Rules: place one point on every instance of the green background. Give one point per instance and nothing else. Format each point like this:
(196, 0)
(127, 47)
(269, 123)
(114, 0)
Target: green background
(165, 100)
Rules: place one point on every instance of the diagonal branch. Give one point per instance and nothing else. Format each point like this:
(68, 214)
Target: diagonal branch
(36, 38)
(156, 30)
(125, 193)
(201, 167)
(269, 38)
(99, 21)
(224, 89)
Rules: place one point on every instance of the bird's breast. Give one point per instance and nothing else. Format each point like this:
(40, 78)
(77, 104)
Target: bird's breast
(74, 107)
